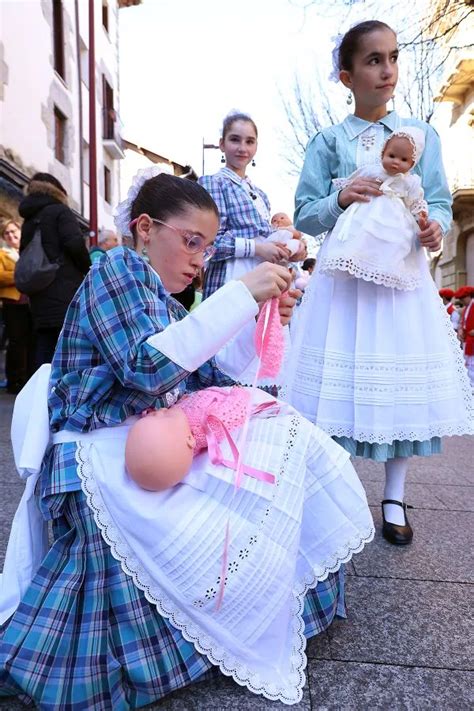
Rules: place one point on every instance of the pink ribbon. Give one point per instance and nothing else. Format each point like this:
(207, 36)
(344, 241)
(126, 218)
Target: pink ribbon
(269, 340)
(216, 456)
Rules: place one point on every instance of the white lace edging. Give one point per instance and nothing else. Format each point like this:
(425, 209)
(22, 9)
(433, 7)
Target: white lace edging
(330, 265)
(466, 426)
(204, 643)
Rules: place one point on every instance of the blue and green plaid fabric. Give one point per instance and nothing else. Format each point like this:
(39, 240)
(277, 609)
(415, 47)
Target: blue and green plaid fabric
(397, 448)
(103, 370)
(239, 218)
(85, 638)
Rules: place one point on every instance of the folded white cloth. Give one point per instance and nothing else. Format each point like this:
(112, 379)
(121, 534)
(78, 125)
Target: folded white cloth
(283, 539)
(28, 540)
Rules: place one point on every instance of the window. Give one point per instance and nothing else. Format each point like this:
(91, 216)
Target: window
(107, 185)
(58, 38)
(105, 15)
(108, 109)
(84, 59)
(59, 135)
(85, 162)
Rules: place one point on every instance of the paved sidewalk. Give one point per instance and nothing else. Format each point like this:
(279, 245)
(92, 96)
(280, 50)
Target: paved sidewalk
(408, 642)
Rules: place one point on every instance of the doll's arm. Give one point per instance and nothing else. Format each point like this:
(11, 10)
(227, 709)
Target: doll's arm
(341, 183)
(415, 199)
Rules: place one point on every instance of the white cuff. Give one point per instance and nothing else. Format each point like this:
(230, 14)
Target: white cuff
(335, 210)
(191, 342)
(244, 247)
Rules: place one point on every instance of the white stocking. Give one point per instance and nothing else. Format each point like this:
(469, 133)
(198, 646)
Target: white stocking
(395, 474)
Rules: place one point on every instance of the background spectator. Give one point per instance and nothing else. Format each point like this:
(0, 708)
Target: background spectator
(45, 206)
(16, 313)
(106, 240)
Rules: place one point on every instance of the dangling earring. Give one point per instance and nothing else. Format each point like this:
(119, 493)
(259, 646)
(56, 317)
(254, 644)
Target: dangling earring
(222, 158)
(349, 99)
(253, 163)
(144, 254)
(393, 102)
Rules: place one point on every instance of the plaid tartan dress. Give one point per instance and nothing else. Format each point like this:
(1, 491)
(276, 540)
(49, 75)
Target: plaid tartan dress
(240, 223)
(84, 636)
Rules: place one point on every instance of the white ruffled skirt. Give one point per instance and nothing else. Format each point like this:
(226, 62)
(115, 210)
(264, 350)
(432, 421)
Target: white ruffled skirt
(378, 364)
(284, 538)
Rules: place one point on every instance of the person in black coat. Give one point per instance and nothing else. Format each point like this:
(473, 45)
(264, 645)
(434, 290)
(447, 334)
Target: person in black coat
(45, 205)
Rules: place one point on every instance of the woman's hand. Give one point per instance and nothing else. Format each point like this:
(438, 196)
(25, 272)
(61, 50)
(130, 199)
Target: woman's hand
(360, 190)
(430, 236)
(266, 281)
(274, 252)
(286, 305)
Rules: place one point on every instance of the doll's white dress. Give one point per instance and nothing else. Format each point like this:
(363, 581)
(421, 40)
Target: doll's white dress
(377, 240)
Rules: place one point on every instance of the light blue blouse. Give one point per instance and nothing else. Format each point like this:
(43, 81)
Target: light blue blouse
(337, 151)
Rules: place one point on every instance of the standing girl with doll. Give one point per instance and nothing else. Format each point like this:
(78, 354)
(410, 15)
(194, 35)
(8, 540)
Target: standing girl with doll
(377, 368)
(246, 236)
(121, 610)
(244, 209)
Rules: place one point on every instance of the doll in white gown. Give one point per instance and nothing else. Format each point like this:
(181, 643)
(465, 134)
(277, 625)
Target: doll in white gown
(377, 240)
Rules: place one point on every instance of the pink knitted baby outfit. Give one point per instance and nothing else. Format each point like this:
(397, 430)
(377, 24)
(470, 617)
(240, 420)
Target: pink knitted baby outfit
(212, 408)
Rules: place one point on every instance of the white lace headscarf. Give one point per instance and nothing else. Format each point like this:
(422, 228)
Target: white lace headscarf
(334, 75)
(337, 39)
(416, 137)
(123, 211)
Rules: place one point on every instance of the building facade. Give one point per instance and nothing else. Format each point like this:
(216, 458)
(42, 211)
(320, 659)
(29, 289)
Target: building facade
(44, 101)
(455, 266)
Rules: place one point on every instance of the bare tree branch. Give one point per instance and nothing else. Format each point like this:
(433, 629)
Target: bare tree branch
(426, 40)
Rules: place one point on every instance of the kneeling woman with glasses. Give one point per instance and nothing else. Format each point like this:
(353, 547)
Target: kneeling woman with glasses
(127, 604)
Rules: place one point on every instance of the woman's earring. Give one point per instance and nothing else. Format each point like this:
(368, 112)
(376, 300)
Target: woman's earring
(222, 158)
(393, 102)
(145, 256)
(253, 163)
(349, 99)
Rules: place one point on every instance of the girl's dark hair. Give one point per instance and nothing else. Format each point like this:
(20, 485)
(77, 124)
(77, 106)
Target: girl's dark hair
(236, 116)
(351, 41)
(48, 178)
(166, 195)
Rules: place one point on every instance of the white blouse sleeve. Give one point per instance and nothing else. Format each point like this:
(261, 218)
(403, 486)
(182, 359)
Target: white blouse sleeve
(202, 333)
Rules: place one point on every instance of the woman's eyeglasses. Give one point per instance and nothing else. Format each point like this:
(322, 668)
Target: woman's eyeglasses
(194, 242)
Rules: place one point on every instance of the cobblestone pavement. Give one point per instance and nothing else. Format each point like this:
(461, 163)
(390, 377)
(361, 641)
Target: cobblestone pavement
(408, 641)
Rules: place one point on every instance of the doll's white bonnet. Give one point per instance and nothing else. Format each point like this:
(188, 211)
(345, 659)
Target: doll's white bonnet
(416, 137)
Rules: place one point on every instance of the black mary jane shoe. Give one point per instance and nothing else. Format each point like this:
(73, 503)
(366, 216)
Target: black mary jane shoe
(392, 532)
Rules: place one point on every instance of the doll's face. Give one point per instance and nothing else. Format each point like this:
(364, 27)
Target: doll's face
(159, 449)
(280, 219)
(398, 156)
(171, 423)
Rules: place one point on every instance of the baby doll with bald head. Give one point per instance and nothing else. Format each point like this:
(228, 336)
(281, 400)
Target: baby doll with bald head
(161, 445)
(285, 232)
